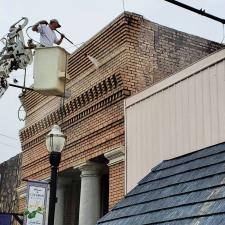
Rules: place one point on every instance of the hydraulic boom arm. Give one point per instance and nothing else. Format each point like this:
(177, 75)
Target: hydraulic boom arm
(14, 55)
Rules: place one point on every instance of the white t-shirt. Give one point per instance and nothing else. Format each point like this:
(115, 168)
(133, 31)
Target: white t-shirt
(47, 35)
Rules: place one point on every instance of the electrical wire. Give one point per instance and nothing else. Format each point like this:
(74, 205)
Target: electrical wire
(12, 138)
(22, 96)
(123, 1)
(30, 36)
(62, 103)
(10, 146)
(21, 109)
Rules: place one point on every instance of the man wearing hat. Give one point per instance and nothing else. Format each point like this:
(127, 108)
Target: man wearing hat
(47, 34)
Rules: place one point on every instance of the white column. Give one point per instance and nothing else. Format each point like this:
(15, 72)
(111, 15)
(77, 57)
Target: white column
(60, 204)
(90, 196)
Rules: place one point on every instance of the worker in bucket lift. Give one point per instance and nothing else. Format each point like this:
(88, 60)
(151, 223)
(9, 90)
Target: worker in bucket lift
(47, 34)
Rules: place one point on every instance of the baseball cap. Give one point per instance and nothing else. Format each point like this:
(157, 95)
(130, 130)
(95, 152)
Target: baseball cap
(55, 21)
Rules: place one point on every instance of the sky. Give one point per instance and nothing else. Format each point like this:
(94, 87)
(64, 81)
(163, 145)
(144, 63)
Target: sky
(81, 20)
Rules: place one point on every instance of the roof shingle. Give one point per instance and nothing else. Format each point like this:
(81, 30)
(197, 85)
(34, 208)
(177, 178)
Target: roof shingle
(186, 190)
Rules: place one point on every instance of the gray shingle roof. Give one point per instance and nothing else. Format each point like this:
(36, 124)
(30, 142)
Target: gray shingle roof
(186, 190)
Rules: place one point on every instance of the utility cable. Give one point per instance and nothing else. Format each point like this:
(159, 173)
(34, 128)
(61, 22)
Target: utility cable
(31, 37)
(62, 102)
(198, 11)
(11, 146)
(22, 96)
(123, 1)
(24, 81)
(12, 138)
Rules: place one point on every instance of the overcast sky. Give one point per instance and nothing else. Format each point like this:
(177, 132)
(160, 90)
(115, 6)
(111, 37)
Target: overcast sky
(80, 21)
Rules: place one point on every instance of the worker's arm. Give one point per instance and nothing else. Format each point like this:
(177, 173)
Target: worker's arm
(58, 42)
(35, 27)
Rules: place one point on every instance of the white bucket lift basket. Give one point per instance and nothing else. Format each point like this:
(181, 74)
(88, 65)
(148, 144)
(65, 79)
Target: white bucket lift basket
(50, 75)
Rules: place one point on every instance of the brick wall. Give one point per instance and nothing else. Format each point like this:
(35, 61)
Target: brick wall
(155, 52)
(116, 183)
(134, 53)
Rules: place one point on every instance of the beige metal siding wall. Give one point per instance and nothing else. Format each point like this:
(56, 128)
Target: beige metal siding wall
(183, 113)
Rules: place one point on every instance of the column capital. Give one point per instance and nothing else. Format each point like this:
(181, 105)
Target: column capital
(115, 156)
(90, 169)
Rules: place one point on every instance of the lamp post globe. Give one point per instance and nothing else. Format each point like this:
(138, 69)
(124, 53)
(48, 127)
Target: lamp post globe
(55, 142)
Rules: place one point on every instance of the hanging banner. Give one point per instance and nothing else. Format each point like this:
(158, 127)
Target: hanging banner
(5, 219)
(36, 203)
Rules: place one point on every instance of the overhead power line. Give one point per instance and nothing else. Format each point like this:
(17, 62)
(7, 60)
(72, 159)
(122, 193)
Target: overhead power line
(10, 146)
(123, 2)
(12, 138)
(198, 11)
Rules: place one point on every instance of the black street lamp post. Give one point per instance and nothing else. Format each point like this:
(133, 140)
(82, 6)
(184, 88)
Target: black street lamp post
(55, 142)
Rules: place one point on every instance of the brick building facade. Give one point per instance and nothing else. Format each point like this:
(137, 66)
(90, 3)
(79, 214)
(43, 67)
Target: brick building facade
(134, 53)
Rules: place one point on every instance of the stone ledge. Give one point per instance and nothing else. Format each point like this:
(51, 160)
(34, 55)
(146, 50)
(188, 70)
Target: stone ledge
(115, 156)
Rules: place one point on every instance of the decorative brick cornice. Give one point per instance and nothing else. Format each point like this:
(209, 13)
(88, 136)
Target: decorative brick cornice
(92, 109)
(110, 89)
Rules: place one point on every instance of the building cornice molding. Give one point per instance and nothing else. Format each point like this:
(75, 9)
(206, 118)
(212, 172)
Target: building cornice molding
(77, 118)
(94, 98)
(115, 156)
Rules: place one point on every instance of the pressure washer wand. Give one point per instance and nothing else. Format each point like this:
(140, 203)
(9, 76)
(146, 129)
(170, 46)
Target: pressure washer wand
(66, 38)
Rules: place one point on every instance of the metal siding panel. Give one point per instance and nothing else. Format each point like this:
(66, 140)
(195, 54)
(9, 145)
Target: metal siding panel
(151, 141)
(191, 84)
(139, 150)
(206, 107)
(182, 148)
(214, 104)
(160, 124)
(199, 110)
(178, 118)
(173, 121)
(186, 116)
(131, 146)
(149, 131)
(221, 100)
(154, 124)
(143, 136)
(167, 123)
